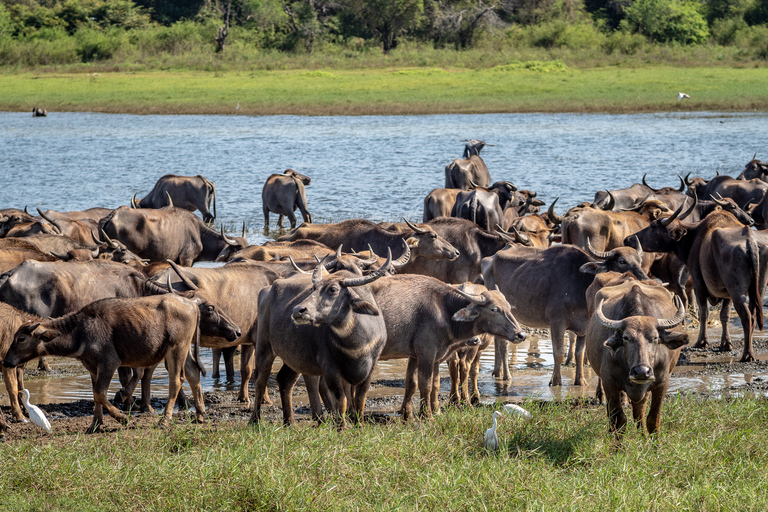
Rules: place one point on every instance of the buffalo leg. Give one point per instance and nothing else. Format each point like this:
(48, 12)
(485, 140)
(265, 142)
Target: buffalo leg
(193, 377)
(454, 363)
(558, 351)
(613, 407)
(229, 363)
(146, 390)
(291, 219)
(434, 404)
(426, 371)
(336, 388)
(571, 343)
(744, 314)
(174, 363)
(98, 410)
(359, 393)
(501, 361)
(474, 371)
(581, 342)
(264, 359)
(129, 378)
(100, 387)
(266, 218)
(701, 299)
(654, 415)
(638, 411)
(280, 221)
(312, 383)
(748, 324)
(410, 388)
(246, 370)
(10, 376)
(286, 380)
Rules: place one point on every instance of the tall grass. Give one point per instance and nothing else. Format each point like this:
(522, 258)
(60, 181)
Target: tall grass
(709, 456)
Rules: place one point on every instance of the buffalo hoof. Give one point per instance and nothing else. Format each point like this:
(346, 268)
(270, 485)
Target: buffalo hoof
(556, 382)
(726, 347)
(42, 365)
(747, 358)
(164, 422)
(701, 344)
(94, 428)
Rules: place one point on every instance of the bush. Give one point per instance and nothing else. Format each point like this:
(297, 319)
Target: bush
(754, 38)
(625, 43)
(561, 34)
(724, 30)
(94, 45)
(667, 21)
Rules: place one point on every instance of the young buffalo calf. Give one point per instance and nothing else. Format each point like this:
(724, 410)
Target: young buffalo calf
(137, 332)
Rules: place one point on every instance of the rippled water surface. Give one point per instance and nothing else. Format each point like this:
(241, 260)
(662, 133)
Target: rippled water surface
(377, 167)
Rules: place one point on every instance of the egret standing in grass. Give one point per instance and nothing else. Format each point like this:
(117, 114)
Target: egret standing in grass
(35, 414)
(491, 440)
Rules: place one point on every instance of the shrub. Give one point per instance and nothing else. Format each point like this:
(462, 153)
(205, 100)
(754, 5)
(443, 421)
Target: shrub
(754, 38)
(94, 45)
(668, 21)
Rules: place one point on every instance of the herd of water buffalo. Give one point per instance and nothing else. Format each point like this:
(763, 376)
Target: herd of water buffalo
(116, 289)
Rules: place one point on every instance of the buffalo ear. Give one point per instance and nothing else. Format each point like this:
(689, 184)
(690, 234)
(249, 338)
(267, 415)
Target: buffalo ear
(467, 314)
(593, 267)
(613, 342)
(412, 242)
(364, 307)
(678, 232)
(674, 340)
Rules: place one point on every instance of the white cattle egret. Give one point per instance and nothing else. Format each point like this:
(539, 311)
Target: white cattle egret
(516, 410)
(682, 95)
(491, 440)
(35, 414)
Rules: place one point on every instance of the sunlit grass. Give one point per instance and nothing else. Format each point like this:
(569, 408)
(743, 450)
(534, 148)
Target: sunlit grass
(546, 88)
(710, 455)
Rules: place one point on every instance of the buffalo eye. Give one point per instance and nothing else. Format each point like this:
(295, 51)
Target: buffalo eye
(210, 308)
(494, 309)
(433, 236)
(21, 339)
(622, 261)
(333, 290)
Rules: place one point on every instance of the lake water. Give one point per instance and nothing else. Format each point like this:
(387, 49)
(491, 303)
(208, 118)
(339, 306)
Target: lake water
(376, 167)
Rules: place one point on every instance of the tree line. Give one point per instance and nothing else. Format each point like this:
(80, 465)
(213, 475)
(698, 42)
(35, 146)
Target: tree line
(91, 30)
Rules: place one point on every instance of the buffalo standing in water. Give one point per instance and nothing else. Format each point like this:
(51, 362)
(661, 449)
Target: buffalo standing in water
(283, 194)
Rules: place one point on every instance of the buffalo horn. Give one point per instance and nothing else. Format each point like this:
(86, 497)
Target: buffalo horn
(647, 185)
(184, 279)
(522, 237)
(611, 203)
(668, 323)
(227, 241)
(244, 233)
(134, 204)
(338, 251)
(94, 252)
(533, 195)
(27, 212)
(598, 254)
(109, 241)
(374, 257)
(49, 220)
(296, 267)
(403, 259)
(719, 200)
(170, 201)
(754, 156)
(504, 235)
(616, 325)
(317, 258)
(415, 228)
(473, 184)
(317, 274)
(553, 217)
(360, 281)
(686, 180)
(96, 240)
(472, 298)
(639, 247)
(62, 257)
(665, 222)
(168, 284)
(682, 184)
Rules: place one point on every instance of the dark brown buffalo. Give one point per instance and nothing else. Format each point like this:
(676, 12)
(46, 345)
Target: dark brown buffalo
(439, 203)
(547, 289)
(480, 206)
(166, 234)
(754, 170)
(473, 147)
(10, 321)
(358, 234)
(95, 214)
(534, 228)
(300, 249)
(630, 347)
(188, 192)
(283, 194)
(467, 173)
(81, 231)
(427, 320)
(20, 226)
(743, 192)
(627, 197)
(46, 243)
(323, 326)
(727, 262)
(137, 332)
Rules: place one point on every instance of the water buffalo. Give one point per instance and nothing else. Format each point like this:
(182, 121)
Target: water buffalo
(39, 112)
(20, 226)
(755, 169)
(12, 256)
(81, 231)
(10, 321)
(484, 206)
(534, 228)
(188, 192)
(727, 262)
(547, 288)
(464, 173)
(300, 249)
(169, 233)
(473, 147)
(137, 332)
(742, 192)
(283, 194)
(439, 203)
(324, 326)
(427, 320)
(630, 347)
(627, 197)
(358, 235)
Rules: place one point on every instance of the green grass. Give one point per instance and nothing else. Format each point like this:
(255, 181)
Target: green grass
(516, 87)
(710, 455)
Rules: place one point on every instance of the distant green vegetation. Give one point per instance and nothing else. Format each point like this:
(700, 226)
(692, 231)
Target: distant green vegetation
(531, 86)
(710, 455)
(139, 35)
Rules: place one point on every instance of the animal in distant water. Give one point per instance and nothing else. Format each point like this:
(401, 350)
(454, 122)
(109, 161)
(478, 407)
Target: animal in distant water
(187, 192)
(35, 414)
(491, 440)
(283, 194)
(39, 112)
(681, 96)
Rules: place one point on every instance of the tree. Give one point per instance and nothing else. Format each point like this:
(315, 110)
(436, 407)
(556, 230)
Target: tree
(385, 19)
(668, 21)
(221, 39)
(457, 24)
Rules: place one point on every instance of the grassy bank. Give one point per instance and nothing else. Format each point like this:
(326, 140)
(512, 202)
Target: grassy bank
(710, 456)
(519, 87)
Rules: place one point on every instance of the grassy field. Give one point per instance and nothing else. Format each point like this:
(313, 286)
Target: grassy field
(710, 456)
(521, 87)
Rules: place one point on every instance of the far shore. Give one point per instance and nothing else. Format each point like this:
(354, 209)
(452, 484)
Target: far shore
(400, 91)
